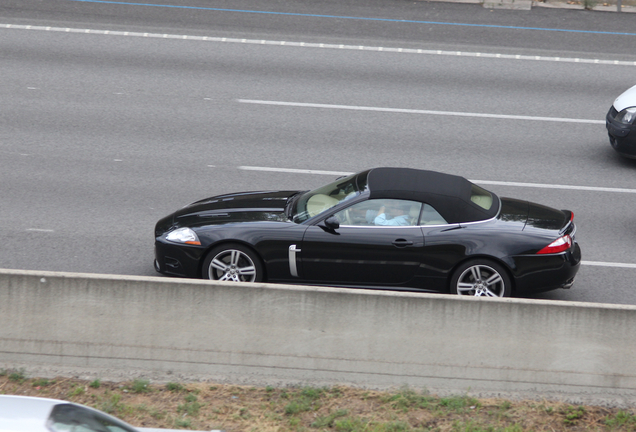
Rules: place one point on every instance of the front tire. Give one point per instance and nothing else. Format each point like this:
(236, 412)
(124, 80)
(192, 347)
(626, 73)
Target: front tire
(481, 278)
(234, 263)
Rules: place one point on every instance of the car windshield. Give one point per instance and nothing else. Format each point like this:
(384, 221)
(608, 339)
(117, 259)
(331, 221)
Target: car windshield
(319, 200)
(73, 418)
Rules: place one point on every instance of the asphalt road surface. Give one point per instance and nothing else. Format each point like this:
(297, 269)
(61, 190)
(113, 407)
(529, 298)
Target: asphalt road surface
(115, 114)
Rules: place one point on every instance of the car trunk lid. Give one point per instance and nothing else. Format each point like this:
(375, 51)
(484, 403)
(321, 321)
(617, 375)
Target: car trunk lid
(537, 216)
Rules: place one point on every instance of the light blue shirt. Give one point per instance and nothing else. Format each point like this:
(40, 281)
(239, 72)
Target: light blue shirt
(398, 220)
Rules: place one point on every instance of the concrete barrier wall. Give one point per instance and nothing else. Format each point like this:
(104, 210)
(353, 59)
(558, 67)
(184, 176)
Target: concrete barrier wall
(276, 334)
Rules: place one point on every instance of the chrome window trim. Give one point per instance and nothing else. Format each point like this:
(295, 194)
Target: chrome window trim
(381, 226)
(478, 222)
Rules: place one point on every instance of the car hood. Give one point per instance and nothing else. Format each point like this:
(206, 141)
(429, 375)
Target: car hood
(626, 99)
(236, 207)
(530, 215)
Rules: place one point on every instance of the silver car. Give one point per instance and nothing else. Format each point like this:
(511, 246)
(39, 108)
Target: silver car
(34, 414)
(621, 123)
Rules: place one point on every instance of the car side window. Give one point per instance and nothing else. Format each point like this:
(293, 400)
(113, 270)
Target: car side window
(381, 212)
(430, 216)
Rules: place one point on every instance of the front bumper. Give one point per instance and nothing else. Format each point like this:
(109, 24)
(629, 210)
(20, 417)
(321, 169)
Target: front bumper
(622, 137)
(177, 259)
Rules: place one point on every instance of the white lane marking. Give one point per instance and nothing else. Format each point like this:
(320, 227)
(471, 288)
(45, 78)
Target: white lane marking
(608, 264)
(488, 182)
(322, 45)
(39, 230)
(556, 186)
(293, 170)
(417, 111)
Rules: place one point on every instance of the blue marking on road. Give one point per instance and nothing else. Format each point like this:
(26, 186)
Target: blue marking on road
(359, 18)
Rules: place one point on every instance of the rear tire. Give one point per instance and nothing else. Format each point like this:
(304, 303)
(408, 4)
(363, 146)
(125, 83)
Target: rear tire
(233, 263)
(481, 278)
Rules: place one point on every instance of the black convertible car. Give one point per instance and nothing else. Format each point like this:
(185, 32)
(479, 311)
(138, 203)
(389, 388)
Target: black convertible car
(395, 228)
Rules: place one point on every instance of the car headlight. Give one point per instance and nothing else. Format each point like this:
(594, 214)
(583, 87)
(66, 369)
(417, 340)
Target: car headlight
(627, 116)
(183, 235)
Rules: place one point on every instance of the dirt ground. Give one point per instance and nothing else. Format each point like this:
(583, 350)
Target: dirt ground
(210, 406)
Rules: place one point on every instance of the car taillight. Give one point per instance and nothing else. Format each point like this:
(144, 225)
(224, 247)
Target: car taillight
(559, 245)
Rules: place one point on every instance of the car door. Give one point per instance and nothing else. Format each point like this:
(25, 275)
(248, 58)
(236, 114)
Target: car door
(445, 246)
(361, 252)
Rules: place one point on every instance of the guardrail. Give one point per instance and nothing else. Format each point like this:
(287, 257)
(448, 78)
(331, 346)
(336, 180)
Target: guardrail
(262, 334)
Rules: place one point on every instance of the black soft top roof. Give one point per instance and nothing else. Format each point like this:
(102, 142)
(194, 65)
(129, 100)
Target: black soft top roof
(449, 194)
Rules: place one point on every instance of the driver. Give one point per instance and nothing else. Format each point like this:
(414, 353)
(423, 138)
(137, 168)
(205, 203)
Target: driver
(396, 216)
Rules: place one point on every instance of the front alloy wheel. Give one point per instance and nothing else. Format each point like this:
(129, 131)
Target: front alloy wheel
(481, 278)
(234, 263)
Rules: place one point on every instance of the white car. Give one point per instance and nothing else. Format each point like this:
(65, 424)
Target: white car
(621, 123)
(34, 414)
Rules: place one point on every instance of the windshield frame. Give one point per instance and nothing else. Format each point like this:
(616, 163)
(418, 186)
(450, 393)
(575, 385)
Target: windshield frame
(329, 196)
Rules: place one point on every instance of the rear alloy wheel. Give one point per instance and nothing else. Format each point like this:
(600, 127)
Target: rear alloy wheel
(481, 278)
(234, 263)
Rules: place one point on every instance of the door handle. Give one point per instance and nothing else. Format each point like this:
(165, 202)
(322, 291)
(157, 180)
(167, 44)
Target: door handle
(402, 243)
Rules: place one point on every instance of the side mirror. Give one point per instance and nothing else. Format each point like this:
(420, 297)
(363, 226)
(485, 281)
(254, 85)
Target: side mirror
(332, 223)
